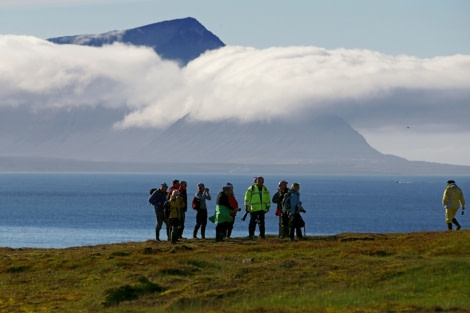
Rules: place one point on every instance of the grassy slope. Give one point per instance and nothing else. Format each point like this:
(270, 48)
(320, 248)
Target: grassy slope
(411, 272)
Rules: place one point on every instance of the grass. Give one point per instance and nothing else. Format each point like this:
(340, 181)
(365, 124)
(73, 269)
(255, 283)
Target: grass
(409, 272)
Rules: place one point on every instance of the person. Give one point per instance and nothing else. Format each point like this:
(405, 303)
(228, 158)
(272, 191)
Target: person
(295, 220)
(234, 209)
(174, 207)
(201, 216)
(451, 200)
(175, 186)
(282, 190)
(222, 217)
(157, 199)
(257, 202)
(184, 195)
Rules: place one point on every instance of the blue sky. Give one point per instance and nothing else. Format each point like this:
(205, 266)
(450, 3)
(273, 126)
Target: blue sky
(423, 28)
(397, 71)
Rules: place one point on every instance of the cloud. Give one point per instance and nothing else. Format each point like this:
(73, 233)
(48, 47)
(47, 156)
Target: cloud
(369, 89)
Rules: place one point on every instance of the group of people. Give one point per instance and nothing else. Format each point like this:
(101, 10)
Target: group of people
(171, 207)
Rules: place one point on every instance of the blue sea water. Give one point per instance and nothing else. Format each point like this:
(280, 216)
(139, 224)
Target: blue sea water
(66, 210)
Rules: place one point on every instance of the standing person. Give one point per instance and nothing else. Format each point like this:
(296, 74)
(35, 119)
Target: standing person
(184, 195)
(222, 217)
(234, 209)
(157, 199)
(452, 199)
(257, 203)
(295, 220)
(201, 207)
(175, 206)
(174, 186)
(282, 190)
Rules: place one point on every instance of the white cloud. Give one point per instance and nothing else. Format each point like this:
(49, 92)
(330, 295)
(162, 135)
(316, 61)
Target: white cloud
(371, 90)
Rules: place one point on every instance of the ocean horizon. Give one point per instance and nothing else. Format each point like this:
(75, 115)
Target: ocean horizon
(49, 210)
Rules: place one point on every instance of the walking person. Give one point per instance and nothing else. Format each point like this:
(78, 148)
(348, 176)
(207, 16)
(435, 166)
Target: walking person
(451, 200)
(199, 204)
(257, 202)
(282, 190)
(295, 220)
(157, 199)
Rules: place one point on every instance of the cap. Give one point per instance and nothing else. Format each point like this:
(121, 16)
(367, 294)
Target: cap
(200, 185)
(229, 185)
(451, 181)
(164, 185)
(282, 182)
(175, 193)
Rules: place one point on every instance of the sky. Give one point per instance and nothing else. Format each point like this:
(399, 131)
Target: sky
(397, 71)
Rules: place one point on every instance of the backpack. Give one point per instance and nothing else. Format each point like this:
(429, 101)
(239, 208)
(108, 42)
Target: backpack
(196, 203)
(286, 203)
(166, 208)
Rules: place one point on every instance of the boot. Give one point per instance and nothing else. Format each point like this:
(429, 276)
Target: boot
(196, 228)
(454, 220)
(203, 232)
(157, 235)
(449, 226)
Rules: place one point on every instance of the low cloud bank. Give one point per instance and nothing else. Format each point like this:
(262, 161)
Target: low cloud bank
(372, 91)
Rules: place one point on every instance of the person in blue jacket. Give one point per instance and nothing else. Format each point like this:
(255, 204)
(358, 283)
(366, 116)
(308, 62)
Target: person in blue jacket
(157, 199)
(295, 220)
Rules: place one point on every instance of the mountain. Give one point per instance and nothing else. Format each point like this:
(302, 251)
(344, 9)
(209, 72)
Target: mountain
(180, 40)
(83, 139)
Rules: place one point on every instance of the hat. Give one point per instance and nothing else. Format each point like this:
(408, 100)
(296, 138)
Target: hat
(200, 185)
(451, 182)
(282, 182)
(255, 179)
(175, 193)
(229, 185)
(164, 185)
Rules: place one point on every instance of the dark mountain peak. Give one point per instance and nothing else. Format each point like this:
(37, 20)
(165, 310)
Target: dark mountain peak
(180, 40)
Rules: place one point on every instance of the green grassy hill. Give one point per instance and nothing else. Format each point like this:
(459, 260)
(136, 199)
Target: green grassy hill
(409, 272)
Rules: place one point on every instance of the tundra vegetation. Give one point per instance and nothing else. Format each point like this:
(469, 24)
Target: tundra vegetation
(403, 272)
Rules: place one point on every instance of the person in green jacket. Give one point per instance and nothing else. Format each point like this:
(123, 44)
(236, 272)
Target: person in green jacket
(257, 203)
(222, 217)
(451, 200)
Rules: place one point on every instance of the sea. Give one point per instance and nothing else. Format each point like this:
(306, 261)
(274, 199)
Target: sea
(50, 210)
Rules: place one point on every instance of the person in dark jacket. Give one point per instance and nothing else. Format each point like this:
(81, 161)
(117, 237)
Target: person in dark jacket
(157, 199)
(282, 190)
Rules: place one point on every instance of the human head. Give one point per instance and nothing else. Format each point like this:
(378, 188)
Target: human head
(176, 183)
(200, 186)
(295, 186)
(163, 186)
(282, 184)
(175, 193)
(183, 184)
(260, 181)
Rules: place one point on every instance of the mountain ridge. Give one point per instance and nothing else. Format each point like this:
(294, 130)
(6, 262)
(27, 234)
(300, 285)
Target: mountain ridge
(83, 139)
(180, 40)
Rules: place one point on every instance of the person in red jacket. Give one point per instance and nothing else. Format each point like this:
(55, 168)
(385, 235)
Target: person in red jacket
(234, 207)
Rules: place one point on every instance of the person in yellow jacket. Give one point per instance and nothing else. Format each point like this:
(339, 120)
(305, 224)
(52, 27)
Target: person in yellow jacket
(173, 208)
(451, 200)
(257, 203)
